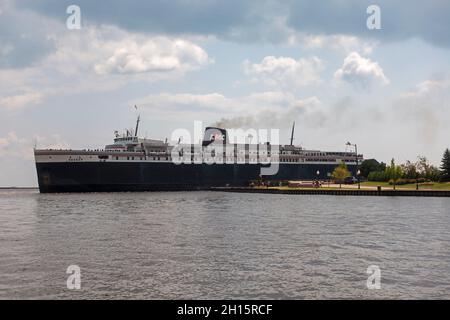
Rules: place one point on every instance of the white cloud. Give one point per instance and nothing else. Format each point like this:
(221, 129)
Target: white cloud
(338, 121)
(108, 50)
(21, 100)
(17, 159)
(425, 112)
(427, 88)
(285, 71)
(14, 146)
(99, 59)
(262, 109)
(337, 42)
(157, 54)
(215, 100)
(360, 71)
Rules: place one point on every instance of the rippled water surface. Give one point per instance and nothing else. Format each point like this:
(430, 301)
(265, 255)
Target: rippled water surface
(198, 245)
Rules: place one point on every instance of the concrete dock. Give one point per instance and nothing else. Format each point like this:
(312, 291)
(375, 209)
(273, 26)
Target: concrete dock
(339, 192)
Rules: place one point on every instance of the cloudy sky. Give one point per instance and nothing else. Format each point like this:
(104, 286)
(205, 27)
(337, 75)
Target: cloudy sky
(253, 64)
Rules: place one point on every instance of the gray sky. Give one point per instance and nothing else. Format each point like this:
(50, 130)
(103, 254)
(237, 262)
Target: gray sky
(257, 64)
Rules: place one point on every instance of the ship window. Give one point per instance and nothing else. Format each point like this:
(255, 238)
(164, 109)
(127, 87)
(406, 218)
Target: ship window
(117, 158)
(128, 158)
(132, 158)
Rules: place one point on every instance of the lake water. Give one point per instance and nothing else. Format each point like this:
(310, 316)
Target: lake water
(199, 245)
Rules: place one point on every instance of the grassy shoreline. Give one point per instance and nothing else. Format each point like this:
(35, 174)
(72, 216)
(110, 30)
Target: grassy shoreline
(369, 185)
(422, 186)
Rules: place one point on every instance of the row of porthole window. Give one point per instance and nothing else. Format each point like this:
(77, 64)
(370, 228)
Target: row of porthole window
(141, 158)
(320, 160)
(219, 159)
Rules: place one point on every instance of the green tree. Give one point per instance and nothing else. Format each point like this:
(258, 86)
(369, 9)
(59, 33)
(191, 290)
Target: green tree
(426, 170)
(422, 166)
(371, 165)
(379, 176)
(410, 170)
(445, 167)
(394, 172)
(434, 174)
(340, 173)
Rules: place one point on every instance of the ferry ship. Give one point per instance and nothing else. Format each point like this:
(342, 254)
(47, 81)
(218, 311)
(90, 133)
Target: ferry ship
(140, 164)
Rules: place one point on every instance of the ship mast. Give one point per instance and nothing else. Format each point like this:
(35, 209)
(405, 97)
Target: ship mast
(137, 122)
(137, 125)
(292, 133)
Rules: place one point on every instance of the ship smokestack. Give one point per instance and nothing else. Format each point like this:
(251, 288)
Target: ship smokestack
(214, 135)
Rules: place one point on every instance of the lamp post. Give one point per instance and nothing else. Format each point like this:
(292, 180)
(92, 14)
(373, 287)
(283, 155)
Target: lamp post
(357, 164)
(317, 180)
(417, 181)
(358, 174)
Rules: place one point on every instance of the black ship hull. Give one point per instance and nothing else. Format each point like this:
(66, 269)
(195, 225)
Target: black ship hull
(163, 176)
